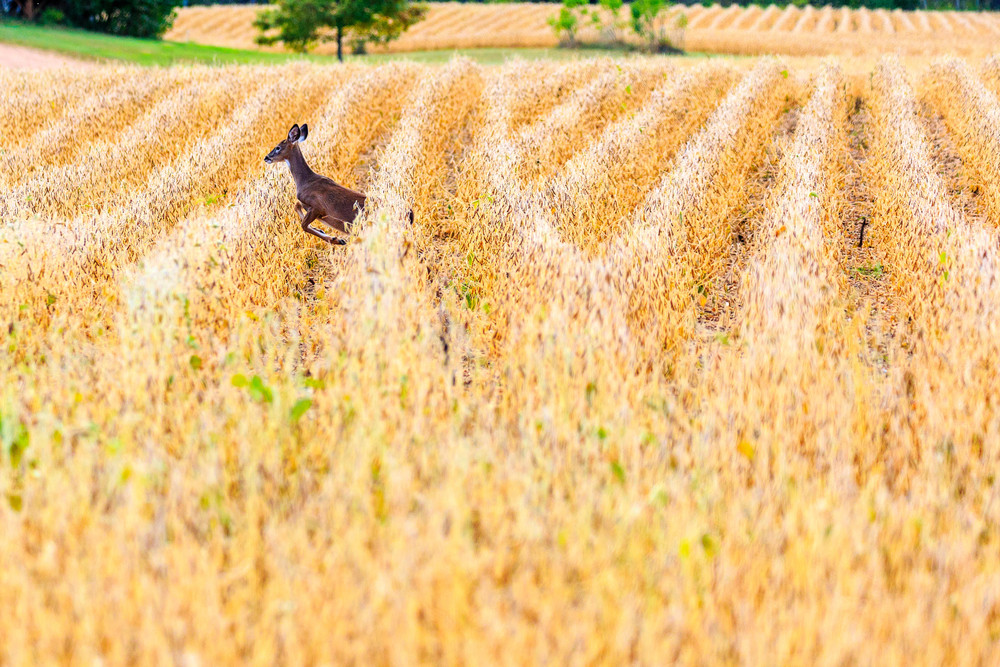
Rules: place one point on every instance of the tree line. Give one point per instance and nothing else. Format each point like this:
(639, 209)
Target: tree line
(134, 18)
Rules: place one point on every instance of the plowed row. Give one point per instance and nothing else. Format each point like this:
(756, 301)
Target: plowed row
(627, 391)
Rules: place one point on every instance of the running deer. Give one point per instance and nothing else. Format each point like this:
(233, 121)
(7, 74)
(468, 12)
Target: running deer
(319, 198)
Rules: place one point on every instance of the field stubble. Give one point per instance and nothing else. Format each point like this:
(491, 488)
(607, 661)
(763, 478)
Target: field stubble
(623, 392)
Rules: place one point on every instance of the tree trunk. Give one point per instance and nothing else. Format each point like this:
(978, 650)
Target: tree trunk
(29, 9)
(340, 43)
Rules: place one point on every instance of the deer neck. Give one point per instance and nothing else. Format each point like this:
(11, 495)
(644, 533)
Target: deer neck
(300, 170)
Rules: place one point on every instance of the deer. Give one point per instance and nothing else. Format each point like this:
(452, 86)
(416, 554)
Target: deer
(319, 197)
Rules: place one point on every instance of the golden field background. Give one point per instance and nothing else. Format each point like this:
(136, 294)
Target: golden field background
(731, 30)
(628, 390)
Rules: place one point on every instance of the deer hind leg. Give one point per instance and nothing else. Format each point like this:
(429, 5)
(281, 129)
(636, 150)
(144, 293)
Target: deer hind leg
(340, 226)
(308, 219)
(336, 223)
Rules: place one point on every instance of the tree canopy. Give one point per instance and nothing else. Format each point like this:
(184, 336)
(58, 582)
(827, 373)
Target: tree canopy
(301, 24)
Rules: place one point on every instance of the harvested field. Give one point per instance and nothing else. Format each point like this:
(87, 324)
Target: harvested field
(683, 361)
(733, 30)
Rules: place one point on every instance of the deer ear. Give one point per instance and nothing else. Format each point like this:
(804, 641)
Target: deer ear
(303, 132)
(293, 134)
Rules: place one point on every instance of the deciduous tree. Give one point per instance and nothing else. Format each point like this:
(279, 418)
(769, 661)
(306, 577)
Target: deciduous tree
(301, 24)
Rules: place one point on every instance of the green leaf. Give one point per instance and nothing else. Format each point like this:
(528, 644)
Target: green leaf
(239, 380)
(49, 299)
(300, 408)
(709, 545)
(618, 472)
(870, 271)
(16, 440)
(260, 391)
(16, 501)
(784, 73)
(314, 383)
(195, 362)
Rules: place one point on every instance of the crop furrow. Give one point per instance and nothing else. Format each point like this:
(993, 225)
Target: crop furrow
(35, 100)
(776, 382)
(206, 293)
(947, 276)
(541, 299)
(107, 172)
(376, 289)
(972, 114)
(78, 258)
(101, 116)
(597, 191)
(551, 140)
(681, 233)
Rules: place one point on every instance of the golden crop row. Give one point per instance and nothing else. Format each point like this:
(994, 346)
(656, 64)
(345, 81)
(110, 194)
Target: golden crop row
(973, 115)
(620, 393)
(946, 269)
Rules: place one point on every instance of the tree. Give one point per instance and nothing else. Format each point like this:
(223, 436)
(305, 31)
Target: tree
(608, 27)
(136, 18)
(301, 24)
(30, 8)
(383, 29)
(567, 21)
(645, 23)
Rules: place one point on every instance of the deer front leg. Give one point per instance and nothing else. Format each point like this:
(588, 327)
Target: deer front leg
(300, 210)
(308, 219)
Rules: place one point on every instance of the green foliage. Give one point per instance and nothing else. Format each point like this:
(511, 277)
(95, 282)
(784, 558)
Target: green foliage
(302, 24)
(134, 18)
(386, 27)
(14, 438)
(609, 23)
(646, 24)
(870, 271)
(618, 472)
(297, 23)
(300, 408)
(255, 386)
(567, 22)
(52, 16)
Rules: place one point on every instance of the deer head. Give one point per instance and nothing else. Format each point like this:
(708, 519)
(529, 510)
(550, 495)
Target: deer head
(283, 150)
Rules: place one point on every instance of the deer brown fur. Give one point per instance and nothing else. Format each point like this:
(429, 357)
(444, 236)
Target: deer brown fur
(319, 198)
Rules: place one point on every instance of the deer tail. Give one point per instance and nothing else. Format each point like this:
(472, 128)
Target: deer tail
(411, 216)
